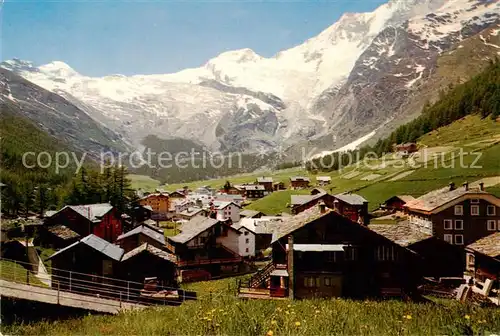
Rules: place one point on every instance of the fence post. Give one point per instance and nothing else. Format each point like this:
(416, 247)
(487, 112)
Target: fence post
(128, 290)
(15, 267)
(58, 291)
(120, 299)
(70, 281)
(27, 277)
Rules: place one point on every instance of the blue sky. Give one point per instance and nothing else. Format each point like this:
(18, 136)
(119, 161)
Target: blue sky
(108, 37)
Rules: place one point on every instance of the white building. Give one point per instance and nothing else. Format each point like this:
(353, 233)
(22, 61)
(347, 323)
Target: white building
(227, 210)
(246, 242)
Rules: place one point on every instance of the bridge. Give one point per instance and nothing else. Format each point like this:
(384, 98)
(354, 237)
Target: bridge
(84, 291)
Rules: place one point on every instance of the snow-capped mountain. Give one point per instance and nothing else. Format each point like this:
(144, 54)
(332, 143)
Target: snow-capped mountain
(349, 80)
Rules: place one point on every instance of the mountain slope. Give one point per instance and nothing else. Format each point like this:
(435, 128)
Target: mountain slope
(356, 76)
(56, 116)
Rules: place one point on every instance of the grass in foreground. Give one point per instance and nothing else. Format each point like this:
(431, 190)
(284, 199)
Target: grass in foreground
(11, 271)
(226, 315)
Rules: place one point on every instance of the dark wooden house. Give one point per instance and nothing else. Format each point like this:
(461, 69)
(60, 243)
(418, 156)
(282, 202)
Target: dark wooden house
(207, 244)
(483, 259)
(437, 257)
(255, 191)
(301, 203)
(140, 235)
(75, 221)
(459, 216)
(397, 203)
(352, 206)
(91, 259)
(320, 253)
(300, 182)
(267, 182)
(149, 261)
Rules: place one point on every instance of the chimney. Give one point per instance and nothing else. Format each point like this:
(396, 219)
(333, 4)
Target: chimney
(322, 207)
(452, 186)
(481, 186)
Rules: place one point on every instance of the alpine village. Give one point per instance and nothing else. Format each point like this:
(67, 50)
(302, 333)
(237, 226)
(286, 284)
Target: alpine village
(395, 233)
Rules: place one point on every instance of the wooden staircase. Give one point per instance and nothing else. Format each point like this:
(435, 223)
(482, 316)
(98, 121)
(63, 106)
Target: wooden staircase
(262, 275)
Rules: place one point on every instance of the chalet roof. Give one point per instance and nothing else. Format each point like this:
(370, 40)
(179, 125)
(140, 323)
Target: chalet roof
(157, 194)
(145, 230)
(402, 234)
(317, 247)
(259, 225)
(112, 251)
(353, 199)
(300, 178)
(405, 198)
(441, 197)
(49, 213)
(152, 250)
(303, 199)
(249, 213)
(279, 272)
(293, 223)
(191, 212)
(192, 228)
(323, 178)
(62, 231)
(265, 179)
(93, 212)
(223, 204)
(489, 245)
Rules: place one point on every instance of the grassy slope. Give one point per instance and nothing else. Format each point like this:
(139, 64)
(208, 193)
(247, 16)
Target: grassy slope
(222, 313)
(11, 271)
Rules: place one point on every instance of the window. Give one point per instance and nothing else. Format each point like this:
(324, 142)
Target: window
(459, 210)
(246, 233)
(474, 201)
(448, 224)
(474, 210)
(459, 224)
(350, 253)
(246, 250)
(385, 253)
(491, 210)
(471, 260)
(328, 281)
(330, 256)
(448, 238)
(459, 239)
(312, 282)
(491, 225)
(247, 241)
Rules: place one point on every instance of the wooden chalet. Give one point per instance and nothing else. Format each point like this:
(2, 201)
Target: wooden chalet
(140, 213)
(255, 191)
(141, 234)
(279, 186)
(149, 261)
(76, 221)
(406, 148)
(267, 182)
(459, 216)
(323, 180)
(301, 203)
(352, 206)
(437, 258)
(87, 260)
(483, 259)
(207, 244)
(397, 203)
(299, 182)
(320, 253)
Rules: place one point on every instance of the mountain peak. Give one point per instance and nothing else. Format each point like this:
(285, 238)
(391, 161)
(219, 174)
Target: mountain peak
(59, 69)
(18, 65)
(245, 55)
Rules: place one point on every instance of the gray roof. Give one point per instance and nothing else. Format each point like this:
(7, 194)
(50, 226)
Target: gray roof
(353, 199)
(318, 247)
(145, 230)
(439, 197)
(259, 225)
(62, 231)
(249, 213)
(489, 245)
(402, 234)
(150, 249)
(92, 212)
(191, 212)
(303, 199)
(300, 178)
(293, 223)
(192, 228)
(110, 250)
(264, 179)
(223, 204)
